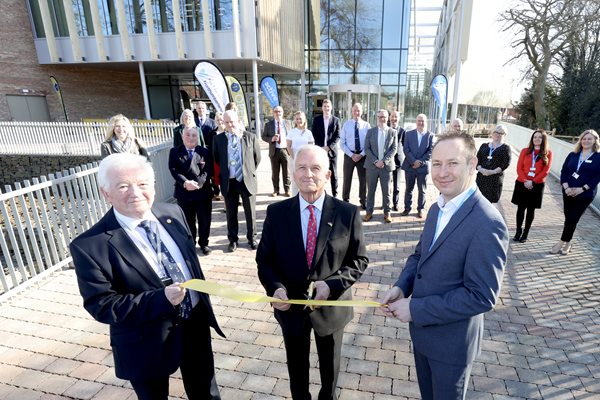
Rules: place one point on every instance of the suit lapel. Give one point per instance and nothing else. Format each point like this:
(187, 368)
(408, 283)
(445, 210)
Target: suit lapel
(128, 250)
(327, 219)
(295, 228)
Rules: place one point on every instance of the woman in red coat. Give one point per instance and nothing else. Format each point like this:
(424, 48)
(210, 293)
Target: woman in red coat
(532, 169)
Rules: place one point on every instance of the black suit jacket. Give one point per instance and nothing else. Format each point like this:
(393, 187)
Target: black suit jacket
(340, 259)
(183, 169)
(119, 288)
(329, 138)
(250, 160)
(269, 130)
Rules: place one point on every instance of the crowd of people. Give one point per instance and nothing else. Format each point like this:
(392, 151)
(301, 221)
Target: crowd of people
(312, 244)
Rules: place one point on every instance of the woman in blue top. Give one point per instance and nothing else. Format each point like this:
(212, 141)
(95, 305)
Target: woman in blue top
(579, 178)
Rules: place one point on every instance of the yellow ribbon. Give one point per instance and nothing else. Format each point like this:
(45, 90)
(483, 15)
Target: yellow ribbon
(228, 292)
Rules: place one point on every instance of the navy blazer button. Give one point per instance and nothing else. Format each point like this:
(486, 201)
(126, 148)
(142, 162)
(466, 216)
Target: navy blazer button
(418, 276)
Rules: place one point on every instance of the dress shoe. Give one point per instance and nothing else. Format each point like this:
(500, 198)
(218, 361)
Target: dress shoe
(206, 250)
(419, 214)
(518, 235)
(556, 248)
(232, 247)
(394, 208)
(387, 218)
(362, 206)
(216, 197)
(288, 194)
(274, 194)
(253, 244)
(566, 249)
(523, 237)
(405, 213)
(368, 217)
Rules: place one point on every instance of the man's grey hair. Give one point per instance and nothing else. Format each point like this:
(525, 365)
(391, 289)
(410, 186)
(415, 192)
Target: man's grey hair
(121, 161)
(321, 154)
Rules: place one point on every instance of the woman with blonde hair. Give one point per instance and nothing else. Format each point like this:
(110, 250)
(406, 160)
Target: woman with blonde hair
(296, 138)
(492, 159)
(121, 139)
(579, 178)
(186, 120)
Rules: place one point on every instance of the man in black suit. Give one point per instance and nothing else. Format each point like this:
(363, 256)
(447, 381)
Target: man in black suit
(275, 133)
(192, 168)
(311, 240)
(129, 266)
(326, 131)
(206, 124)
(398, 159)
(237, 153)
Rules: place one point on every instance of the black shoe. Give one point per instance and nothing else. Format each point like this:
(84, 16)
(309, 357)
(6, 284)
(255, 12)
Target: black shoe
(405, 213)
(362, 206)
(232, 247)
(517, 237)
(523, 237)
(206, 250)
(253, 244)
(394, 208)
(419, 214)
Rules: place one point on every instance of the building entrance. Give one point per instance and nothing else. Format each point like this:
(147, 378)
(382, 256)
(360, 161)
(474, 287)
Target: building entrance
(343, 96)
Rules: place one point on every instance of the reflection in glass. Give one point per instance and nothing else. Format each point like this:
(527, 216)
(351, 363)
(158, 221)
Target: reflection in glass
(341, 24)
(390, 61)
(341, 60)
(83, 18)
(136, 17)
(340, 79)
(367, 79)
(389, 79)
(389, 98)
(392, 21)
(369, 14)
(163, 15)
(368, 60)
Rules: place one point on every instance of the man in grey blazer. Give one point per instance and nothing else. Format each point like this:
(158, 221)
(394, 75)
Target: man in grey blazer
(237, 153)
(454, 275)
(417, 151)
(381, 144)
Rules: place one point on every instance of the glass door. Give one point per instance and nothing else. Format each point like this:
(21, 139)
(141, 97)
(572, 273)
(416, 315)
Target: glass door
(344, 96)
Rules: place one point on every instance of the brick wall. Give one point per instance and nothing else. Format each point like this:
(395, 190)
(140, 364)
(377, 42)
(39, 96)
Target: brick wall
(17, 168)
(89, 91)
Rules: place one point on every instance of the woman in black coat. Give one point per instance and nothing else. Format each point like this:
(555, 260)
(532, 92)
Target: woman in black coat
(492, 159)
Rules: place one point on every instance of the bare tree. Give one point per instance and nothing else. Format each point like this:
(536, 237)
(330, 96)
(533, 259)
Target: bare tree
(543, 30)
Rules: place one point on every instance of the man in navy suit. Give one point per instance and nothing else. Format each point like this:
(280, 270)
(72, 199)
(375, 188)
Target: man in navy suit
(417, 152)
(206, 124)
(326, 131)
(129, 266)
(398, 158)
(454, 275)
(311, 240)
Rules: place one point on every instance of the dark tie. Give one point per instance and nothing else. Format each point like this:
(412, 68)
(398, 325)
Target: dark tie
(356, 139)
(311, 236)
(191, 153)
(278, 133)
(170, 266)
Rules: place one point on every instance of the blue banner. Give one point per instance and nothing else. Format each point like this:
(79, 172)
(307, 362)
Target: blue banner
(269, 90)
(439, 89)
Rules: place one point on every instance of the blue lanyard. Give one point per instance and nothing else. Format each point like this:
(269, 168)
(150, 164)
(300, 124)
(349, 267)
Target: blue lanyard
(492, 149)
(534, 158)
(581, 160)
(440, 212)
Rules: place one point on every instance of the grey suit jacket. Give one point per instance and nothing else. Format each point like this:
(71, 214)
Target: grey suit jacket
(119, 288)
(269, 131)
(250, 160)
(414, 152)
(340, 259)
(372, 148)
(456, 281)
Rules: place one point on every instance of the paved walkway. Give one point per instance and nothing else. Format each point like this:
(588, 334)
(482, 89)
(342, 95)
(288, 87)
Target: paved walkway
(542, 340)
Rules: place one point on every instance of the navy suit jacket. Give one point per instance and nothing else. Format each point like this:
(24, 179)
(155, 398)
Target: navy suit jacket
(414, 152)
(183, 169)
(340, 259)
(119, 288)
(329, 138)
(456, 281)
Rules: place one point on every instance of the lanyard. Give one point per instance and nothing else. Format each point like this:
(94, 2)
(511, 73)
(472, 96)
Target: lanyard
(534, 158)
(492, 149)
(581, 160)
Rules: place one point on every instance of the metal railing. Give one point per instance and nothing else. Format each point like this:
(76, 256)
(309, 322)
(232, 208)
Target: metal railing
(40, 218)
(71, 138)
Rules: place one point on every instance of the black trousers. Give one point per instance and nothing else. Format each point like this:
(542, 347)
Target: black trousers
(348, 169)
(329, 350)
(234, 192)
(197, 365)
(396, 186)
(199, 211)
(334, 175)
(280, 161)
(573, 207)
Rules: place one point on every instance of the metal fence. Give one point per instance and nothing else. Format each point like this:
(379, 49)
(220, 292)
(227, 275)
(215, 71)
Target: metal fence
(71, 138)
(40, 218)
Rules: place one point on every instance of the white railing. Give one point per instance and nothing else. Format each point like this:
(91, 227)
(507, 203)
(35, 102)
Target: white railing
(71, 138)
(40, 218)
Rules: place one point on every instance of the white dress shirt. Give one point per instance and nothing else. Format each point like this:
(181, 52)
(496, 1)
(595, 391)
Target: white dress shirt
(448, 209)
(282, 134)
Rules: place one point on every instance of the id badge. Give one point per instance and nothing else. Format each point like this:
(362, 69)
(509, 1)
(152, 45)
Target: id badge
(575, 175)
(532, 174)
(588, 161)
(233, 162)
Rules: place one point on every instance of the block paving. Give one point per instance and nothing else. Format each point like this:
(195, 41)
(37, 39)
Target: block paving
(541, 341)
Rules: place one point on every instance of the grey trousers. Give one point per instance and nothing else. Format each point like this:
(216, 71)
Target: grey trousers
(385, 177)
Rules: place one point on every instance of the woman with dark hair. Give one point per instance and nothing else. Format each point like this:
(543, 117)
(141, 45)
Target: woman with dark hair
(492, 159)
(532, 169)
(121, 139)
(579, 178)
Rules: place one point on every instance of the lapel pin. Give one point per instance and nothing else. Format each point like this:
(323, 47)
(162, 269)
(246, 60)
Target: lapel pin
(330, 224)
(169, 220)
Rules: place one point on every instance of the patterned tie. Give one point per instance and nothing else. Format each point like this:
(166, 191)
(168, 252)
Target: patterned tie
(191, 153)
(170, 266)
(278, 133)
(311, 236)
(356, 139)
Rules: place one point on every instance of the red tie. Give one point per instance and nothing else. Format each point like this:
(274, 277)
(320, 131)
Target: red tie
(311, 236)
(278, 133)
